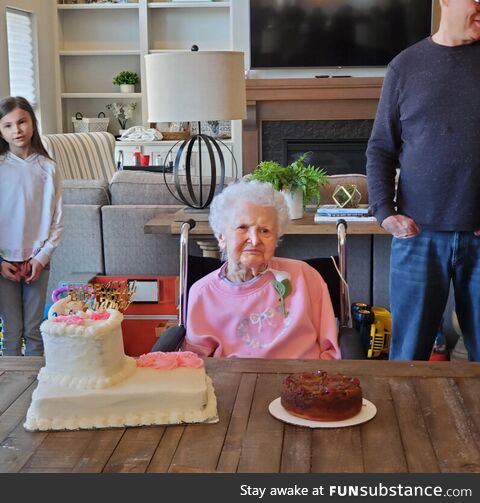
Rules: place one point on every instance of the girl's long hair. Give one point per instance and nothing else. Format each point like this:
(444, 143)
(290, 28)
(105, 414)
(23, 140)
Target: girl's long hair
(9, 104)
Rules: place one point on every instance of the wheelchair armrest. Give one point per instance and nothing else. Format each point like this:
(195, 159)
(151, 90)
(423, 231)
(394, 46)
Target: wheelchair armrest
(170, 340)
(351, 346)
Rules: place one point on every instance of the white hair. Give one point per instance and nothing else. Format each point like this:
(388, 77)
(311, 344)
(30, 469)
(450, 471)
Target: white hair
(241, 193)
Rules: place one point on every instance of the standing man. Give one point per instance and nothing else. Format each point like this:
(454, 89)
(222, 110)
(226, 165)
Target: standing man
(428, 125)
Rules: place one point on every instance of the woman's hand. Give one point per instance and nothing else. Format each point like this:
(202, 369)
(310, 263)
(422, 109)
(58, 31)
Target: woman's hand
(10, 271)
(400, 226)
(36, 269)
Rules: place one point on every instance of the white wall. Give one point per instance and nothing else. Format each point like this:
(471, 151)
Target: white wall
(44, 12)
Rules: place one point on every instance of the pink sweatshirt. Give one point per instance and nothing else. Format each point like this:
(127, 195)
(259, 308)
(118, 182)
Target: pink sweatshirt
(246, 320)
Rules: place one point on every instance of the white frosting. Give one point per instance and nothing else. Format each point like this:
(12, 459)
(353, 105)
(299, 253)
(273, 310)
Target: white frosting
(148, 397)
(88, 382)
(86, 356)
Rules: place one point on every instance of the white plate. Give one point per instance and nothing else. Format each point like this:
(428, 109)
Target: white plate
(368, 412)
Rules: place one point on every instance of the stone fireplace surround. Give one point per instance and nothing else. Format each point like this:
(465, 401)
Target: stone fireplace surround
(307, 101)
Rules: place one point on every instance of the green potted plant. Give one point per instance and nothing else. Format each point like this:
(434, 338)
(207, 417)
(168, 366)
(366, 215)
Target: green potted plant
(298, 181)
(126, 80)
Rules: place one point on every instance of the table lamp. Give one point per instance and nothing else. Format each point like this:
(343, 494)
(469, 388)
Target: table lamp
(195, 86)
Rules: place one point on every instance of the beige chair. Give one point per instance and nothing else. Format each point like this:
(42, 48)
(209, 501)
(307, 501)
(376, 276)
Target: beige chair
(82, 156)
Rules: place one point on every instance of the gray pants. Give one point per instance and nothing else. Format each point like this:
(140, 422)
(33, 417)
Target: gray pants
(21, 308)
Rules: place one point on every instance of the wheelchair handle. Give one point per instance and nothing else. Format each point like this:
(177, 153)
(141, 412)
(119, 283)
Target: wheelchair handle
(182, 304)
(342, 263)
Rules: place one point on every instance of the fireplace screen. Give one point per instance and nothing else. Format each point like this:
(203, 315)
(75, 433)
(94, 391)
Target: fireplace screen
(336, 157)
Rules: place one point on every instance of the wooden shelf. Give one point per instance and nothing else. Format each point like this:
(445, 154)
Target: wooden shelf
(188, 5)
(104, 52)
(161, 143)
(101, 95)
(99, 6)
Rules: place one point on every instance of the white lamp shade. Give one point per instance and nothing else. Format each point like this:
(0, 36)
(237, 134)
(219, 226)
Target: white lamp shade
(195, 86)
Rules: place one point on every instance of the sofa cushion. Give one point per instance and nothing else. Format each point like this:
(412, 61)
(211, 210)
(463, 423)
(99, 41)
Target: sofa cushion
(128, 250)
(143, 187)
(81, 249)
(86, 192)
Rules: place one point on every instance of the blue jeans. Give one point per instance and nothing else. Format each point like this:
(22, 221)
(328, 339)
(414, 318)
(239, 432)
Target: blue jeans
(21, 308)
(421, 270)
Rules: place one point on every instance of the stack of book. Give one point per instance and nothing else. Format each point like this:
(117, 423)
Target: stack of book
(332, 213)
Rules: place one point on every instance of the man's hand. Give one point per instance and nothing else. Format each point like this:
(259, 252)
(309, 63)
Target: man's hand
(35, 272)
(400, 226)
(10, 271)
(477, 232)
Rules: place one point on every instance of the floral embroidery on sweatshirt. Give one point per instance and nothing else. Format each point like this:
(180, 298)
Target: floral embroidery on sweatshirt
(256, 329)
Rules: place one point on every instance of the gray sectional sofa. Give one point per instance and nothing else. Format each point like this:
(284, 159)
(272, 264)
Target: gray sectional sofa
(104, 229)
(104, 234)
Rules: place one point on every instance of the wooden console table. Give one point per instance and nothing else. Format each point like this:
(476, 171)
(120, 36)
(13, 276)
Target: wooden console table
(166, 223)
(428, 420)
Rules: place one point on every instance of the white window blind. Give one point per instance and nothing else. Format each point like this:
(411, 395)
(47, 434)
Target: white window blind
(21, 55)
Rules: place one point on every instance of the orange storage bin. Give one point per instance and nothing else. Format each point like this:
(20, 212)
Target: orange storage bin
(154, 307)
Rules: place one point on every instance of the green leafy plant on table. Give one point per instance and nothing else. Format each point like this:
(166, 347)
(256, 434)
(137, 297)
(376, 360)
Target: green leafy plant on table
(293, 177)
(126, 77)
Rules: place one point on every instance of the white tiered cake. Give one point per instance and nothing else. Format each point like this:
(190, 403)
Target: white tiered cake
(89, 382)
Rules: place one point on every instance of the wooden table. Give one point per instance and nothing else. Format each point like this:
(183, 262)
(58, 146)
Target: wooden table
(428, 420)
(166, 223)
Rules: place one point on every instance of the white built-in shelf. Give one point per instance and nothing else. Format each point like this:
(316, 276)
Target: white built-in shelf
(165, 143)
(106, 52)
(188, 5)
(101, 95)
(156, 51)
(85, 6)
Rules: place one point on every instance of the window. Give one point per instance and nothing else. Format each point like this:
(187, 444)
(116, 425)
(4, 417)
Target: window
(22, 67)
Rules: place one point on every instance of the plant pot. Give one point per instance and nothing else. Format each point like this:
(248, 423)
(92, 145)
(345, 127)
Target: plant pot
(127, 88)
(294, 203)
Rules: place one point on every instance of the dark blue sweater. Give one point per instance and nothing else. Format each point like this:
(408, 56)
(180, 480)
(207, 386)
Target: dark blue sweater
(428, 124)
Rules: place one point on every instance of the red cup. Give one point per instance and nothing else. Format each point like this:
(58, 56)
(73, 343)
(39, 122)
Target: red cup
(145, 160)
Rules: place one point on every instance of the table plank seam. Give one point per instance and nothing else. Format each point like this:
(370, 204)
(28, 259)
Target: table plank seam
(225, 438)
(6, 411)
(470, 418)
(399, 429)
(171, 465)
(158, 445)
(107, 458)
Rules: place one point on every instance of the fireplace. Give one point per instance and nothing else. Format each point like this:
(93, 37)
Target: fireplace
(331, 117)
(337, 158)
(338, 146)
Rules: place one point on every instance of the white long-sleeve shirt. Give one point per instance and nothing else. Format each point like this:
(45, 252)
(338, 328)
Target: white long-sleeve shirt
(31, 217)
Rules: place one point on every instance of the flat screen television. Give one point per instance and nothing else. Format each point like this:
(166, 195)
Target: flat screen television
(334, 33)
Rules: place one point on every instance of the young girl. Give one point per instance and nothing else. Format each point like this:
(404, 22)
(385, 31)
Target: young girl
(31, 225)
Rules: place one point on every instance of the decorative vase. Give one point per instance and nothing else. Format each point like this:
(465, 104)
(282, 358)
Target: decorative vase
(294, 203)
(127, 88)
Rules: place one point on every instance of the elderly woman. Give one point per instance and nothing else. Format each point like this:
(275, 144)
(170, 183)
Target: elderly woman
(257, 305)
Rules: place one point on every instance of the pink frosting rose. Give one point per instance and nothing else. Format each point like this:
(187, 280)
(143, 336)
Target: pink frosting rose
(100, 315)
(169, 361)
